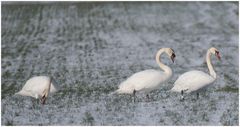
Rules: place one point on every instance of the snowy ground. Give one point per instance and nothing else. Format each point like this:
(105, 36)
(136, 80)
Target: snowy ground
(90, 48)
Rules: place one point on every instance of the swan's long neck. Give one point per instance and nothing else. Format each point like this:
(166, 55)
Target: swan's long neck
(209, 64)
(164, 67)
(49, 86)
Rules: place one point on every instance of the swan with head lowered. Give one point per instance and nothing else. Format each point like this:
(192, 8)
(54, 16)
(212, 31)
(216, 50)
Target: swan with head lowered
(148, 80)
(195, 80)
(38, 87)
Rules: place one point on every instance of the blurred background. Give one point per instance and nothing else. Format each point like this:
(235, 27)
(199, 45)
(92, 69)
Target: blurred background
(91, 47)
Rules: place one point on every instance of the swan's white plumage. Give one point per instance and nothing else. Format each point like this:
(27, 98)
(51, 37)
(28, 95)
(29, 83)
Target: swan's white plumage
(35, 87)
(196, 80)
(192, 81)
(146, 80)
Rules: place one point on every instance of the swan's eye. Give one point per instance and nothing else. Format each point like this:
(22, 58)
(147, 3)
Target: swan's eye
(216, 52)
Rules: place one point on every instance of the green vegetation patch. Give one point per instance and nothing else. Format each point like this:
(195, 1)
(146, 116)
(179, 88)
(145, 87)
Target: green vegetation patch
(228, 89)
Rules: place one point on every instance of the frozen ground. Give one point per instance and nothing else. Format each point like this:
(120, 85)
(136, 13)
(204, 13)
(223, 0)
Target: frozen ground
(89, 48)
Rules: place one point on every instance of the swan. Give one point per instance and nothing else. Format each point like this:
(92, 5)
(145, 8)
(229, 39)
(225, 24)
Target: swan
(38, 87)
(195, 80)
(148, 80)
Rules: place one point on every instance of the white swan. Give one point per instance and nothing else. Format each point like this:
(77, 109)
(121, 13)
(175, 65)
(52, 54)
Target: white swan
(195, 80)
(148, 80)
(38, 87)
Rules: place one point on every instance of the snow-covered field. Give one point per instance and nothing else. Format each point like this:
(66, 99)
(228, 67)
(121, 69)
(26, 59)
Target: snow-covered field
(90, 48)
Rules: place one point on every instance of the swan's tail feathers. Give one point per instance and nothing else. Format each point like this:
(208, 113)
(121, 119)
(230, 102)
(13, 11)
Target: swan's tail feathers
(174, 89)
(22, 93)
(177, 89)
(115, 92)
(18, 93)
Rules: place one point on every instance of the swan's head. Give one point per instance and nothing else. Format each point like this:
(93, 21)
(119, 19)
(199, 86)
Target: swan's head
(216, 52)
(171, 53)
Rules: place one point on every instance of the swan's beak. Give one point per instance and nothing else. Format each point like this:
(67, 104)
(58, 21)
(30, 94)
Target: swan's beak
(173, 57)
(218, 55)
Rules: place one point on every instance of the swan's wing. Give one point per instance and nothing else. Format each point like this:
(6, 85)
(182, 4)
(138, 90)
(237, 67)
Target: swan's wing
(27, 93)
(147, 79)
(192, 81)
(36, 84)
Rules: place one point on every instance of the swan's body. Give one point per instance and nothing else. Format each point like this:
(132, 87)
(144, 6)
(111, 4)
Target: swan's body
(195, 80)
(38, 87)
(192, 81)
(148, 80)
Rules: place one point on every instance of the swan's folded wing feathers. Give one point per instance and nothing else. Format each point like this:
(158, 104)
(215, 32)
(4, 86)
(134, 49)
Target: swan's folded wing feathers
(192, 80)
(146, 79)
